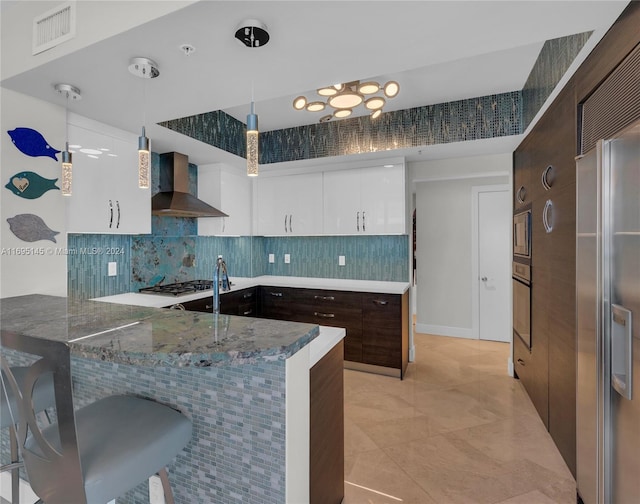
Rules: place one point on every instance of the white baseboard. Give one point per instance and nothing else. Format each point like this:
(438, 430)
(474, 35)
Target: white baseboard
(510, 368)
(455, 332)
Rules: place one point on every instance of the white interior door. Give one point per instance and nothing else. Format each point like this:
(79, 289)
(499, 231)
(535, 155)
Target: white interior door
(494, 259)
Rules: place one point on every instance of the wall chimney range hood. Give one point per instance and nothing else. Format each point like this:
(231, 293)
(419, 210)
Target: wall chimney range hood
(174, 199)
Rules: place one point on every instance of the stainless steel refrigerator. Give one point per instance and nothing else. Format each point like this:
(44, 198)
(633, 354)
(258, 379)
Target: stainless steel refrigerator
(608, 320)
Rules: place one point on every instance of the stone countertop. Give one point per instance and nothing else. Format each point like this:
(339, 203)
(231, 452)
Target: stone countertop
(146, 336)
(238, 283)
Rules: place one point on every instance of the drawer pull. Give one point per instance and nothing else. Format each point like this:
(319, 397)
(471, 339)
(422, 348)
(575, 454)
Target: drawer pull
(380, 302)
(521, 362)
(325, 298)
(208, 307)
(248, 312)
(247, 295)
(276, 294)
(324, 315)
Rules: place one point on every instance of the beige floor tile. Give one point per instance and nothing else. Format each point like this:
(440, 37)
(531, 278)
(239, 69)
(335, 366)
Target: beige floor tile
(457, 429)
(386, 481)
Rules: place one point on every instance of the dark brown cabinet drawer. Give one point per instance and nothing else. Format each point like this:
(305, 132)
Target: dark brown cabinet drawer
(382, 310)
(243, 302)
(276, 303)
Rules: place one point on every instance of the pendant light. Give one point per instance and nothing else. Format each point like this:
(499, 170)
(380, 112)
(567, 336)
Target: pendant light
(73, 93)
(147, 69)
(252, 142)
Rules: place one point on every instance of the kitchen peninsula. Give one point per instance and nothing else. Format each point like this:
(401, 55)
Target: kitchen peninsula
(247, 384)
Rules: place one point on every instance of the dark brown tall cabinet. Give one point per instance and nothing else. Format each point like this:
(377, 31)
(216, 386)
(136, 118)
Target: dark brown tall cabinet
(544, 165)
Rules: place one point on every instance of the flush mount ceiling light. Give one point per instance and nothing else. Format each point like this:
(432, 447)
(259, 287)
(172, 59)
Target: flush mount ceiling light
(146, 69)
(70, 93)
(343, 98)
(252, 33)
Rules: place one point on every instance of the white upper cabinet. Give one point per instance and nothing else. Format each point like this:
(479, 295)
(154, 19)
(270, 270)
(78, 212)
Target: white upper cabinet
(370, 200)
(228, 189)
(290, 205)
(105, 194)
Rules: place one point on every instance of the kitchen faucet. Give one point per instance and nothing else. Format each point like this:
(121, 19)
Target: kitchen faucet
(220, 269)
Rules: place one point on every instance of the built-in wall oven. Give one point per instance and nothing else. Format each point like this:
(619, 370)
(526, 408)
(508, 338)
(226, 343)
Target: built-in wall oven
(522, 234)
(522, 302)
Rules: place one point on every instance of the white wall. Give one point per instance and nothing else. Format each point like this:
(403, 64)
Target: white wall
(40, 266)
(444, 236)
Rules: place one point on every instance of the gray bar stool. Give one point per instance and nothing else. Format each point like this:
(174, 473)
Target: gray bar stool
(96, 453)
(43, 398)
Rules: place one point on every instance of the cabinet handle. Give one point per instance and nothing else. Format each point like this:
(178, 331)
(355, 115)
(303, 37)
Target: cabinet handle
(290, 228)
(208, 307)
(325, 298)
(285, 223)
(177, 306)
(521, 362)
(110, 214)
(276, 294)
(224, 224)
(358, 221)
(248, 312)
(545, 178)
(324, 315)
(118, 206)
(380, 302)
(247, 295)
(363, 221)
(548, 223)
(521, 195)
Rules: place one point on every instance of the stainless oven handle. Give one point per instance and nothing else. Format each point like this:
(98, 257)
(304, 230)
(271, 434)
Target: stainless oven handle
(545, 178)
(548, 223)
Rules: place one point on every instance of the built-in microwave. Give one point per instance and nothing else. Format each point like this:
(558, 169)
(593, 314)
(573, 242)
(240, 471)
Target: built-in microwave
(522, 234)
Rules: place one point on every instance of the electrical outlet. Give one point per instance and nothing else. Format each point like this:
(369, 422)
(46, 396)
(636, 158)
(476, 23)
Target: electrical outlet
(287, 258)
(272, 258)
(341, 261)
(112, 269)
(156, 494)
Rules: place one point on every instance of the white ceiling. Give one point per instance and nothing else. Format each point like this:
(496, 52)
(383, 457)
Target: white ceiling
(437, 51)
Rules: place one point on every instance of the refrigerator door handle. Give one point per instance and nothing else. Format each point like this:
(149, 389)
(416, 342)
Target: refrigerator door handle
(622, 351)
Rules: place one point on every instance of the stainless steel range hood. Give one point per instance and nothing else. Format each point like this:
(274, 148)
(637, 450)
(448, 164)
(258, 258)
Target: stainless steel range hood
(174, 199)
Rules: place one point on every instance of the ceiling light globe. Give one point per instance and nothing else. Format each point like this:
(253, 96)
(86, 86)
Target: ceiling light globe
(328, 91)
(342, 113)
(375, 103)
(326, 118)
(299, 103)
(391, 89)
(345, 100)
(369, 87)
(316, 106)
(376, 113)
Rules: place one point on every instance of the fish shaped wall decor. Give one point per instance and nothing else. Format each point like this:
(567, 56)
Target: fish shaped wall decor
(32, 143)
(30, 185)
(31, 228)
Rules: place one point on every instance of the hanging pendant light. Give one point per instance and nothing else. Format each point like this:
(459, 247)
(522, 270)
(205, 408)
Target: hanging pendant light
(147, 69)
(252, 143)
(73, 93)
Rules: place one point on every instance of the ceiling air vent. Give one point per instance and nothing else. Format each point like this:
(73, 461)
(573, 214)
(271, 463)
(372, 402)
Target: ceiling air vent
(54, 27)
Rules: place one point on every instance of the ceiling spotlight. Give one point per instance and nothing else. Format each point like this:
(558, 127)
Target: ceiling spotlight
(347, 96)
(252, 33)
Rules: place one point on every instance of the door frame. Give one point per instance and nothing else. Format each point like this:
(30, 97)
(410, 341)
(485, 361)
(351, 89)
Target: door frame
(475, 260)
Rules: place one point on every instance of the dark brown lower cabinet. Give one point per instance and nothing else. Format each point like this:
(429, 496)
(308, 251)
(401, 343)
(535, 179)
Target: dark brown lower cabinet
(326, 444)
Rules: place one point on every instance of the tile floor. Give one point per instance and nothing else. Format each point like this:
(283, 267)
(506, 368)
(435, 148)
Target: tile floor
(457, 429)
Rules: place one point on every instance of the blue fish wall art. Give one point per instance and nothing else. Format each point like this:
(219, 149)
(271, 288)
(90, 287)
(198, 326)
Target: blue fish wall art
(30, 185)
(32, 143)
(31, 228)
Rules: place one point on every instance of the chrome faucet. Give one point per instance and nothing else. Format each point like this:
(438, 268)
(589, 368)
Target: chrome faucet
(220, 276)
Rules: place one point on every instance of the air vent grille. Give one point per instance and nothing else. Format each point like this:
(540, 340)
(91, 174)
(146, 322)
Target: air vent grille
(54, 27)
(614, 105)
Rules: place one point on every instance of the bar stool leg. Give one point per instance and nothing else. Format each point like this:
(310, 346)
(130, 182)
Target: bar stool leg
(15, 471)
(166, 487)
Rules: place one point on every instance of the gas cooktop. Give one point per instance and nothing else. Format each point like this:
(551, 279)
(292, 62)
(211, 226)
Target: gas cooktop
(179, 288)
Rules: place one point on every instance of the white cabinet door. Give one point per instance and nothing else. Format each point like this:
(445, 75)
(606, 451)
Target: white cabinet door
(105, 194)
(382, 200)
(290, 205)
(365, 201)
(225, 189)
